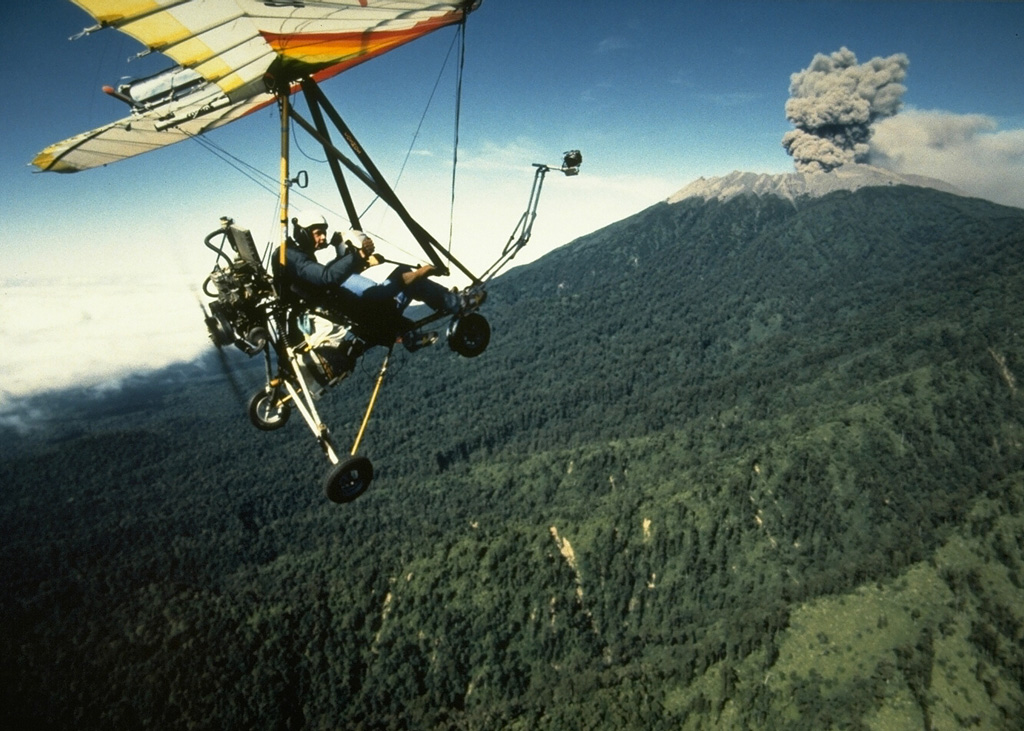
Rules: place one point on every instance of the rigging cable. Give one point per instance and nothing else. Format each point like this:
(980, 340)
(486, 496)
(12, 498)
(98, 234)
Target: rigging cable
(264, 180)
(430, 100)
(253, 173)
(298, 146)
(458, 115)
(419, 126)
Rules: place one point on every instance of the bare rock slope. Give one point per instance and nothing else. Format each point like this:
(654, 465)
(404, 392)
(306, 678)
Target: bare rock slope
(795, 185)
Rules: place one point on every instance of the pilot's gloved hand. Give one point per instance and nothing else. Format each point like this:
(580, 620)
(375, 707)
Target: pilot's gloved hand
(336, 239)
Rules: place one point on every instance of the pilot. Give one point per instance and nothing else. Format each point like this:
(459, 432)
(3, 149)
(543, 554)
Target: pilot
(339, 283)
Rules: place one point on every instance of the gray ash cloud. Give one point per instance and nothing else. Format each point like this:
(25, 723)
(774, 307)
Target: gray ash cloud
(833, 104)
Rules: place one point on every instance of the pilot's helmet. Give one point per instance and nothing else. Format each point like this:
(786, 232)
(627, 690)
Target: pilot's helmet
(303, 225)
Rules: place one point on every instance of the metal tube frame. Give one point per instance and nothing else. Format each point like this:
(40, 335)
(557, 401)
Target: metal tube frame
(321, 110)
(367, 173)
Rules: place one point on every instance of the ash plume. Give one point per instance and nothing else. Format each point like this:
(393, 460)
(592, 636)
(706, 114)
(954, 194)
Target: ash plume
(834, 102)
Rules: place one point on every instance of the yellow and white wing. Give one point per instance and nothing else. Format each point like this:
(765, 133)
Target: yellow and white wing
(229, 54)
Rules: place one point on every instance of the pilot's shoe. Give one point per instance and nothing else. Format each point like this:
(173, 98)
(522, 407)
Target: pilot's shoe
(413, 340)
(471, 300)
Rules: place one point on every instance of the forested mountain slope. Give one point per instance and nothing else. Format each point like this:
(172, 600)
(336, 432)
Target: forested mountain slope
(749, 464)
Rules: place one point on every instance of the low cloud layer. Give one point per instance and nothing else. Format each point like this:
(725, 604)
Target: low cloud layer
(967, 150)
(73, 320)
(90, 331)
(833, 104)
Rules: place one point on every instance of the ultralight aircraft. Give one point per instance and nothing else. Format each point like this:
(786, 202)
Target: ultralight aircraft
(234, 57)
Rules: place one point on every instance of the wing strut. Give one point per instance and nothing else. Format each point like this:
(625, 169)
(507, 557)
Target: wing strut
(336, 171)
(285, 179)
(367, 173)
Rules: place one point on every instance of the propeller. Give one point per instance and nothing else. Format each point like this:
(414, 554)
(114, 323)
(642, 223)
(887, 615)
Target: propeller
(220, 338)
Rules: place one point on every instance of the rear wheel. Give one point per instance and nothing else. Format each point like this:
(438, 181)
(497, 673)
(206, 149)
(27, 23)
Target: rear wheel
(469, 336)
(267, 411)
(348, 480)
(258, 338)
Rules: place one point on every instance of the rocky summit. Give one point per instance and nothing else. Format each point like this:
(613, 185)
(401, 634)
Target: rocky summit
(795, 185)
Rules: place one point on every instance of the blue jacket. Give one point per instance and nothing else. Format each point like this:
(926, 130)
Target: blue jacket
(318, 283)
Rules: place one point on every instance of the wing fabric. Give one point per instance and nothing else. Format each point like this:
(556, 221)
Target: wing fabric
(225, 51)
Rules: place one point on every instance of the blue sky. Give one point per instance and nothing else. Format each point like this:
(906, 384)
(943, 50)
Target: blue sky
(655, 94)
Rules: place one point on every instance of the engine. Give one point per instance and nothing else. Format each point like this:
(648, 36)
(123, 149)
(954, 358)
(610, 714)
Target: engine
(242, 290)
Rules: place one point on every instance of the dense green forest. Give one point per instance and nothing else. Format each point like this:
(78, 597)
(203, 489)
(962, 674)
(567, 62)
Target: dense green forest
(751, 464)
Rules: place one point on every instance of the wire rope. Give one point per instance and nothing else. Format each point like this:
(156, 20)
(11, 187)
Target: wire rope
(264, 180)
(298, 146)
(419, 126)
(458, 116)
(250, 171)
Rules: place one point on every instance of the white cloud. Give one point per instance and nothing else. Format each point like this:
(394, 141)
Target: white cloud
(101, 310)
(569, 207)
(93, 329)
(967, 150)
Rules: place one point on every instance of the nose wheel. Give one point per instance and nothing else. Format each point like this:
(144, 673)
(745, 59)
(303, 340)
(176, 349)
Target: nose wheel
(348, 480)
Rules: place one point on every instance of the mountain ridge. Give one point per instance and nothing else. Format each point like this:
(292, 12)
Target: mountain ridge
(739, 464)
(790, 186)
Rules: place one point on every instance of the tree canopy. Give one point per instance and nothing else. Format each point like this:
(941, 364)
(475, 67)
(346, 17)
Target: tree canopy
(747, 464)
